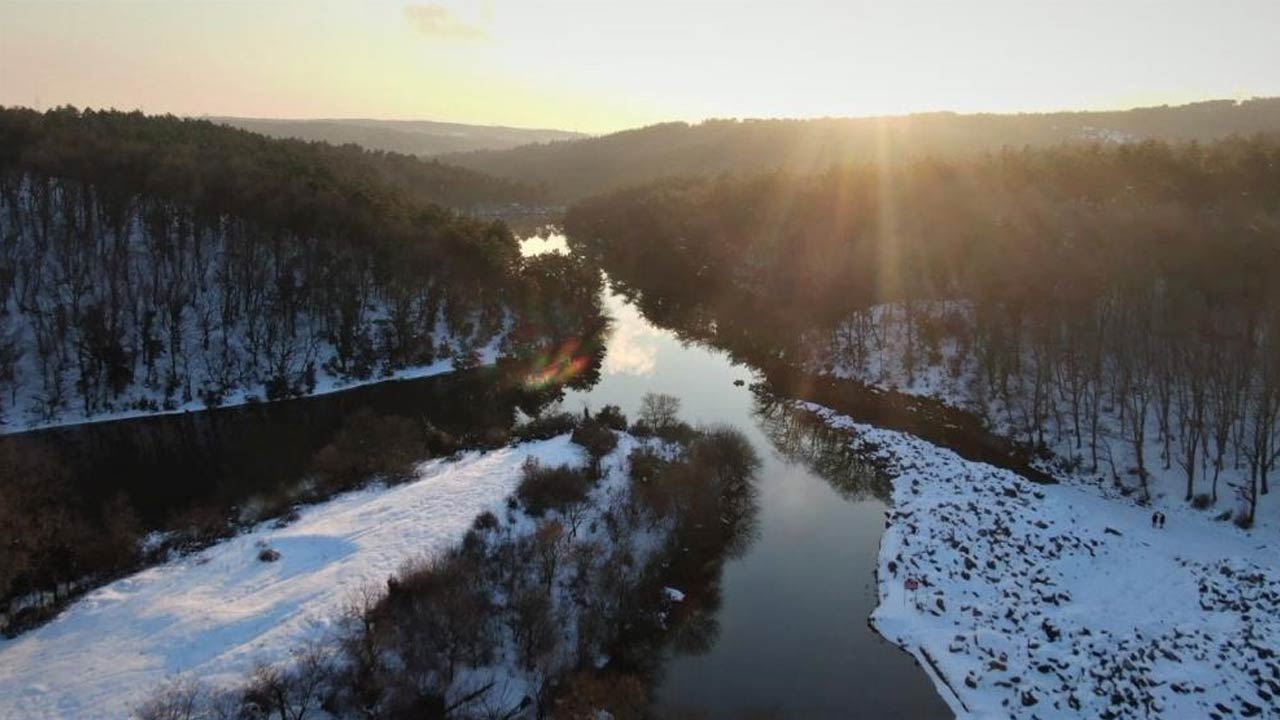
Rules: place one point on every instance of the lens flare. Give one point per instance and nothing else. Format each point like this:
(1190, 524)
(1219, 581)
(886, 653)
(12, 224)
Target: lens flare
(559, 366)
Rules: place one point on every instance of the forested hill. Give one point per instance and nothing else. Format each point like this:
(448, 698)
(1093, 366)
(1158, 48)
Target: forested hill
(576, 169)
(191, 153)
(411, 137)
(1077, 288)
(154, 263)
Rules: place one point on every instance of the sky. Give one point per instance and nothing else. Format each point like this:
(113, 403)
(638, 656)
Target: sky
(602, 65)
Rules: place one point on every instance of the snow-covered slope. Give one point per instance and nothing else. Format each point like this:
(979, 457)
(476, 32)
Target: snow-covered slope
(216, 613)
(1055, 601)
(954, 378)
(325, 384)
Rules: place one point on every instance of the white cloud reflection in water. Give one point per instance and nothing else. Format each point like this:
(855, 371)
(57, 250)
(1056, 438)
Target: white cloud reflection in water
(633, 344)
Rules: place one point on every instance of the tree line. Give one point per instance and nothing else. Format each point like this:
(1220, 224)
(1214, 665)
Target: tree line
(1096, 292)
(573, 170)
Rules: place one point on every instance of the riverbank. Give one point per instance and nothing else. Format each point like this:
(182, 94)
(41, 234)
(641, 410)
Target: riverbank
(326, 384)
(1023, 599)
(927, 418)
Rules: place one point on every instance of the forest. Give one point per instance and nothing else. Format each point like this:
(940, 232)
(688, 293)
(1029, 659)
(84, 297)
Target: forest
(154, 264)
(1113, 300)
(151, 263)
(572, 170)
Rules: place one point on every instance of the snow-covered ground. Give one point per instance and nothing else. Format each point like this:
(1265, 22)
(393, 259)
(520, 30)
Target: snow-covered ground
(183, 336)
(214, 614)
(19, 417)
(1056, 601)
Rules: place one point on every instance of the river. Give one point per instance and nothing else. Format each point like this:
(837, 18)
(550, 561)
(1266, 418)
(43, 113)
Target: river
(793, 638)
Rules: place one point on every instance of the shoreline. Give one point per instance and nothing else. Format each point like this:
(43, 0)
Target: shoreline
(1021, 599)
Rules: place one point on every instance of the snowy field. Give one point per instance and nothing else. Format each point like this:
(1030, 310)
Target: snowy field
(1027, 600)
(214, 614)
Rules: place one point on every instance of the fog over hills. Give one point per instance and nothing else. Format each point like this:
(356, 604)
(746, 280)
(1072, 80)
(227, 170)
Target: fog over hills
(411, 137)
(572, 170)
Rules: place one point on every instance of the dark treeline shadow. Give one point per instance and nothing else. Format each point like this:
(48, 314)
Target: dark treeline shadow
(802, 437)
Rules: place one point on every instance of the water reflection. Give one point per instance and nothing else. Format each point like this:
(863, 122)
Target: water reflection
(547, 242)
(219, 460)
(633, 344)
(802, 437)
(781, 630)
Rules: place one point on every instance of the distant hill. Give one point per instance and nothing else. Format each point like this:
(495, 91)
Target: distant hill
(410, 137)
(574, 169)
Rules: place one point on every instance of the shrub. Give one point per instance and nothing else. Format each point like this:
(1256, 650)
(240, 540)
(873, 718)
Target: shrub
(595, 438)
(1201, 501)
(677, 432)
(369, 445)
(547, 426)
(197, 526)
(551, 488)
(268, 555)
(485, 521)
(611, 417)
(178, 699)
(644, 464)
(594, 694)
(641, 429)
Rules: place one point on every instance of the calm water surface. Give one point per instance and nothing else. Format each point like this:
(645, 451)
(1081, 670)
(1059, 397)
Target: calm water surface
(793, 638)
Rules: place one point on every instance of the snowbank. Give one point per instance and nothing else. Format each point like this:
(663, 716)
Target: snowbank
(216, 613)
(1055, 601)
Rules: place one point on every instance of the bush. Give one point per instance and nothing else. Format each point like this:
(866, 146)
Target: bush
(268, 555)
(178, 699)
(595, 438)
(545, 427)
(198, 526)
(676, 432)
(1201, 501)
(611, 417)
(644, 464)
(485, 521)
(551, 488)
(641, 429)
(681, 433)
(369, 445)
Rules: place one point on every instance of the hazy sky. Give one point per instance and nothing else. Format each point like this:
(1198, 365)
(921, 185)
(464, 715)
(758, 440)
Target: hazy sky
(597, 65)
